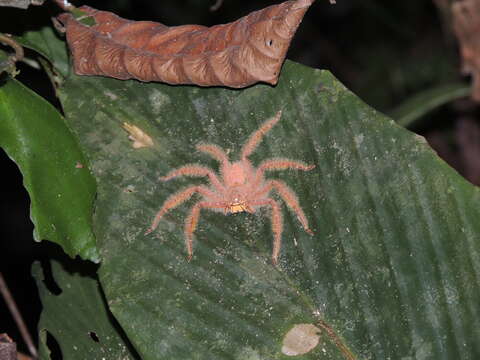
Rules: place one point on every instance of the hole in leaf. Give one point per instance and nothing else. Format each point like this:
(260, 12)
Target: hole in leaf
(53, 346)
(94, 336)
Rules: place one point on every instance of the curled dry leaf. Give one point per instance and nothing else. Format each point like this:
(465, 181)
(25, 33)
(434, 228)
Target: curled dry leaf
(466, 23)
(249, 50)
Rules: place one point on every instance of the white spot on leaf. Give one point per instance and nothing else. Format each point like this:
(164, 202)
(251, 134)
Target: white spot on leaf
(110, 95)
(157, 101)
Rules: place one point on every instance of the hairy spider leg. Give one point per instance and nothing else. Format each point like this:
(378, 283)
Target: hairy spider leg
(277, 224)
(176, 199)
(280, 164)
(258, 135)
(192, 221)
(283, 164)
(214, 151)
(196, 171)
(288, 195)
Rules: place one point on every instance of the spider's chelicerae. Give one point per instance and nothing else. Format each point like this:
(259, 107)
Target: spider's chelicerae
(240, 187)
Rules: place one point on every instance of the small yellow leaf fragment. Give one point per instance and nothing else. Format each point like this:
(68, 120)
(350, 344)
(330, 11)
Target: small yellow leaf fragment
(138, 136)
(300, 339)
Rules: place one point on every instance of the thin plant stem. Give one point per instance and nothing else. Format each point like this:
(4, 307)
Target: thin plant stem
(216, 6)
(12, 306)
(7, 40)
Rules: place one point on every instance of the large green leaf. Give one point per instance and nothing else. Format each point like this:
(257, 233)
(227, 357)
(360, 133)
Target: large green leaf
(78, 317)
(54, 170)
(392, 271)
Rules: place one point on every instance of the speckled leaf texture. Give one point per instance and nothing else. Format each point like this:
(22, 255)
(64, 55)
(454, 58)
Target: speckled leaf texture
(393, 268)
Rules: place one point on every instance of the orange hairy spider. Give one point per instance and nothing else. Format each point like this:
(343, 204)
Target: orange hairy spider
(240, 187)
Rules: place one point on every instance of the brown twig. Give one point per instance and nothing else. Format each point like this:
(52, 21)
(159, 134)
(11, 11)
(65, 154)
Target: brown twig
(7, 40)
(336, 340)
(216, 6)
(12, 306)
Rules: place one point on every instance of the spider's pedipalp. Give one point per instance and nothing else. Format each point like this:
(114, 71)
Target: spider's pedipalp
(214, 151)
(277, 224)
(194, 171)
(192, 221)
(257, 136)
(288, 195)
(175, 200)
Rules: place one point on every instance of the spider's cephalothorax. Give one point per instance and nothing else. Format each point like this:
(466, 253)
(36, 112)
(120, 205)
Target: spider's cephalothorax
(240, 187)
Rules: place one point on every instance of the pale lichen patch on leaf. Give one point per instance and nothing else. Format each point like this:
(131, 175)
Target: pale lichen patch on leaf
(110, 95)
(301, 339)
(158, 100)
(138, 136)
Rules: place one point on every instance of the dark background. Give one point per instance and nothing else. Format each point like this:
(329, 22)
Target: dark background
(384, 51)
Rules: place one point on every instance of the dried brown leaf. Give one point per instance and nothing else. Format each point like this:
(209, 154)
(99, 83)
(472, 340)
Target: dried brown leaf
(249, 50)
(466, 23)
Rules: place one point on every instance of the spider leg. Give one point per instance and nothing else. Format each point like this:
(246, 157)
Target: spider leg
(175, 200)
(214, 151)
(288, 195)
(282, 164)
(257, 136)
(192, 221)
(277, 225)
(194, 171)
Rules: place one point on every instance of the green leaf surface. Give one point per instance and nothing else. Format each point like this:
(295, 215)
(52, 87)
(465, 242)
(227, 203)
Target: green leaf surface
(421, 104)
(5, 64)
(77, 317)
(391, 272)
(48, 43)
(54, 170)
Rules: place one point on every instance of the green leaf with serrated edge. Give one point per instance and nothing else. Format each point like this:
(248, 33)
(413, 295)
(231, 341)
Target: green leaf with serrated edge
(78, 317)
(54, 170)
(392, 268)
